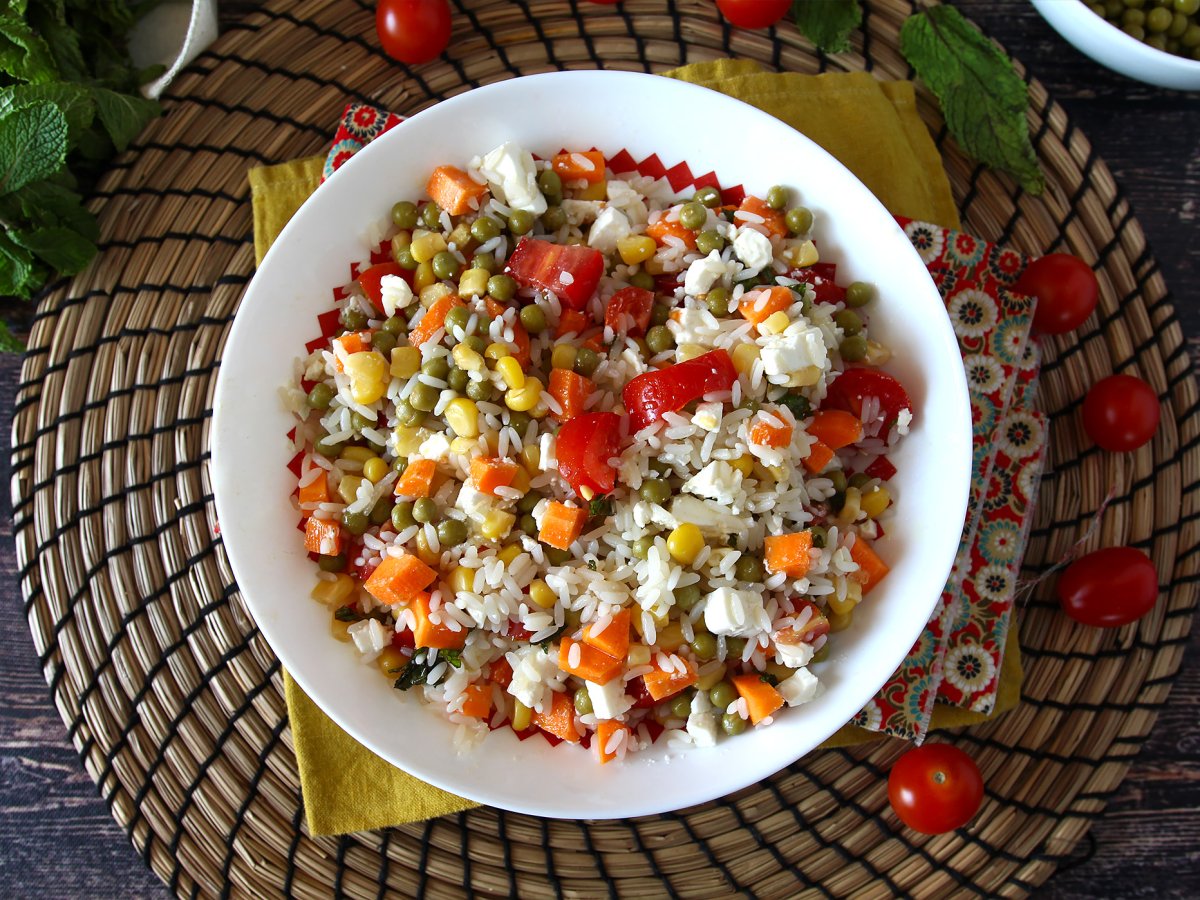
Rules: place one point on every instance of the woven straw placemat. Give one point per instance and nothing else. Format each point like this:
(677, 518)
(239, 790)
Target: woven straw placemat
(174, 700)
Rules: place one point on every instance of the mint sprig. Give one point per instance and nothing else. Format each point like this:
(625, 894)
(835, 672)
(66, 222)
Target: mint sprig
(828, 23)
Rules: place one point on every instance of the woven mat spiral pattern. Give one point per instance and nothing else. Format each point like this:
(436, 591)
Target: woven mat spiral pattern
(174, 700)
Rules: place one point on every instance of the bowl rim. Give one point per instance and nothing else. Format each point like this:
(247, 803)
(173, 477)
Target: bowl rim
(955, 501)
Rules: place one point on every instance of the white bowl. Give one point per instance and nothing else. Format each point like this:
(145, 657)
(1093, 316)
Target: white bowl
(1110, 46)
(609, 110)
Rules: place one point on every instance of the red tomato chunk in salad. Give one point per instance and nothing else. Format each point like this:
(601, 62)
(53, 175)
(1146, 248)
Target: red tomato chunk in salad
(584, 458)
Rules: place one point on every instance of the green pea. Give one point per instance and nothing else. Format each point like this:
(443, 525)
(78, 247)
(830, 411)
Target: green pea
(583, 700)
(660, 338)
(446, 265)
(820, 537)
(848, 320)
(838, 477)
(734, 647)
(643, 280)
(687, 596)
(408, 415)
(479, 391)
(822, 654)
(550, 185)
(1158, 41)
(692, 215)
(405, 259)
(321, 395)
(404, 215)
(384, 342)
(502, 287)
(458, 317)
(553, 218)
(708, 241)
(402, 516)
(326, 449)
(358, 421)
(355, 523)
(533, 318)
(1137, 32)
(527, 503)
(332, 563)
(681, 705)
(425, 510)
(749, 568)
(431, 216)
(718, 301)
(557, 557)
(381, 512)
(394, 325)
(854, 349)
(859, 293)
(457, 379)
(485, 261)
(1179, 24)
(658, 467)
(722, 694)
(859, 480)
(436, 367)
(519, 421)
(423, 397)
(476, 343)
(660, 314)
(799, 219)
(528, 524)
(586, 361)
(1187, 7)
(751, 404)
(777, 196)
(732, 724)
(704, 645)
(484, 229)
(353, 318)
(655, 490)
(520, 221)
(1158, 20)
(451, 532)
(708, 196)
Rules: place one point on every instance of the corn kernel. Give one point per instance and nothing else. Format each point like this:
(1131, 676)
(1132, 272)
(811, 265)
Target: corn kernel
(524, 398)
(805, 376)
(531, 459)
(348, 487)
(744, 355)
(425, 247)
(845, 605)
(521, 717)
(424, 276)
(778, 473)
(520, 481)
(684, 352)
(466, 358)
(496, 350)
(638, 654)
(432, 293)
(744, 464)
(541, 594)
(424, 552)
(369, 375)
(670, 637)
(496, 525)
(874, 503)
(510, 370)
(685, 543)
(473, 283)
(852, 506)
(406, 362)
(562, 356)
(407, 439)
(597, 191)
(660, 621)
(340, 630)
(775, 323)
(400, 241)
(375, 470)
(509, 553)
(358, 454)
(333, 593)
(462, 580)
(463, 445)
(654, 266)
(710, 680)
(805, 254)
(460, 236)
(877, 354)
(636, 248)
(463, 416)
(390, 660)
(840, 622)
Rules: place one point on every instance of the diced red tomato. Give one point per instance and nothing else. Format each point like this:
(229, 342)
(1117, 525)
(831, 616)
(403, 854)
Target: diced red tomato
(369, 280)
(517, 631)
(636, 688)
(628, 311)
(585, 445)
(816, 626)
(822, 278)
(541, 264)
(881, 468)
(653, 394)
(848, 390)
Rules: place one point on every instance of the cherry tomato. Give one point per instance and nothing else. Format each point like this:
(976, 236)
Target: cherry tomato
(849, 389)
(585, 445)
(413, 31)
(628, 311)
(1120, 413)
(1109, 588)
(1065, 288)
(753, 13)
(935, 788)
(655, 393)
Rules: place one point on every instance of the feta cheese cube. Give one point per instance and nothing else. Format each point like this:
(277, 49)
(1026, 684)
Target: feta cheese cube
(734, 613)
(704, 273)
(708, 416)
(702, 721)
(794, 656)
(609, 701)
(718, 480)
(436, 446)
(691, 326)
(627, 200)
(753, 248)
(512, 176)
(610, 226)
(709, 517)
(535, 675)
(800, 688)
(394, 293)
(580, 211)
(475, 505)
(795, 350)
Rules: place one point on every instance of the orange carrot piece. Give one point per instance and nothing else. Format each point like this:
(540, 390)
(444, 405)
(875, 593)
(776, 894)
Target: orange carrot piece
(570, 390)
(767, 435)
(434, 634)
(455, 191)
(871, 569)
(559, 720)
(604, 733)
(520, 335)
(788, 553)
(761, 698)
(758, 306)
(478, 702)
(662, 229)
(490, 472)
(819, 455)
(501, 672)
(562, 525)
(835, 428)
(773, 222)
(614, 639)
(322, 536)
(434, 319)
(660, 685)
(352, 342)
(594, 665)
(316, 491)
(572, 321)
(417, 479)
(580, 165)
(398, 579)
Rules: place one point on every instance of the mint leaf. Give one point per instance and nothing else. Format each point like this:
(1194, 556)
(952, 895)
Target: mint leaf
(9, 343)
(23, 53)
(16, 268)
(828, 23)
(983, 99)
(74, 101)
(48, 204)
(33, 145)
(124, 115)
(62, 249)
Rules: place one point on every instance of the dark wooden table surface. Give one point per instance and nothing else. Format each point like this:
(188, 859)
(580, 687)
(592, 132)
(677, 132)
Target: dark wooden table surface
(56, 836)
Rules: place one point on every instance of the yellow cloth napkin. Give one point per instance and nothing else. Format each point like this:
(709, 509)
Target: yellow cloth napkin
(874, 129)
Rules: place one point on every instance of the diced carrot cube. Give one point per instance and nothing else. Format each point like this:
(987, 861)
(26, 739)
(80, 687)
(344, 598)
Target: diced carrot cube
(437, 635)
(316, 491)
(322, 536)
(559, 720)
(761, 698)
(455, 191)
(478, 700)
(417, 479)
(352, 342)
(580, 165)
(662, 229)
(767, 435)
(501, 672)
(433, 320)
(490, 472)
(593, 665)
(819, 455)
(871, 569)
(758, 306)
(562, 525)
(661, 685)
(835, 428)
(788, 553)
(614, 639)
(398, 579)
(520, 335)
(774, 222)
(570, 390)
(604, 734)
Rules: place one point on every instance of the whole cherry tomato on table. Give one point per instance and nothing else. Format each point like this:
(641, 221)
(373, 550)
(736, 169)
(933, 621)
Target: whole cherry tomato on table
(1066, 290)
(1120, 413)
(753, 13)
(1109, 588)
(935, 788)
(413, 31)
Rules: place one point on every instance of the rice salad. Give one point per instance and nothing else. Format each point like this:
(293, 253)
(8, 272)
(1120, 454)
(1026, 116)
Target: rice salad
(580, 456)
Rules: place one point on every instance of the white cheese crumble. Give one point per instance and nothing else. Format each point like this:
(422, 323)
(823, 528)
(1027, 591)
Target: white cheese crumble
(609, 701)
(512, 177)
(753, 248)
(800, 688)
(702, 721)
(704, 273)
(734, 613)
(394, 293)
(610, 226)
(718, 481)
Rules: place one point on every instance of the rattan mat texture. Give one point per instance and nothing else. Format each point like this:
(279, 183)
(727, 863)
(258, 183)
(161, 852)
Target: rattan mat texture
(175, 702)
